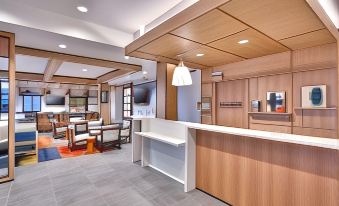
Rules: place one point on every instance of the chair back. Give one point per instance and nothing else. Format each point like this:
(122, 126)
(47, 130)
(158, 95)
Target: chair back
(70, 135)
(81, 127)
(126, 128)
(111, 132)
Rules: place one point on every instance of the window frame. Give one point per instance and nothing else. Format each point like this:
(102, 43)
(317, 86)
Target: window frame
(31, 96)
(130, 110)
(1, 111)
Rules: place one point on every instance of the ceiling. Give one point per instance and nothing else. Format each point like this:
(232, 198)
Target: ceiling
(124, 15)
(76, 70)
(269, 26)
(38, 65)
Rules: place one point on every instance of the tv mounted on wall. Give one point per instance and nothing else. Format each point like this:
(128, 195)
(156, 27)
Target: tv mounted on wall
(55, 100)
(140, 95)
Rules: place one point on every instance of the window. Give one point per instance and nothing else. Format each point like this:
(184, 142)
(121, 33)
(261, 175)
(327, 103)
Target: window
(127, 101)
(4, 96)
(32, 103)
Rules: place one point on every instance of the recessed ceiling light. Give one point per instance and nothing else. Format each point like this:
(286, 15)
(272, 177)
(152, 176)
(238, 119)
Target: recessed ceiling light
(62, 46)
(200, 55)
(84, 70)
(82, 9)
(126, 57)
(144, 72)
(243, 41)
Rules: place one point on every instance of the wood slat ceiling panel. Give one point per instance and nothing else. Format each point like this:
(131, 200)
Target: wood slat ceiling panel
(278, 19)
(212, 57)
(258, 45)
(210, 27)
(311, 39)
(169, 46)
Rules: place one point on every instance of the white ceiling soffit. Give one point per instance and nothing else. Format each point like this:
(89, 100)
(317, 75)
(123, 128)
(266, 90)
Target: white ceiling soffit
(30, 64)
(24, 15)
(77, 70)
(110, 21)
(33, 38)
(331, 7)
(170, 13)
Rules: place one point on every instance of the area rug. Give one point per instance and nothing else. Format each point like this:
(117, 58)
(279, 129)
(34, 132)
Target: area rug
(47, 154)
(65, 152)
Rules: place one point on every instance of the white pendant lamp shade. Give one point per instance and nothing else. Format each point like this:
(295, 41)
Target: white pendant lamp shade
(181, 75)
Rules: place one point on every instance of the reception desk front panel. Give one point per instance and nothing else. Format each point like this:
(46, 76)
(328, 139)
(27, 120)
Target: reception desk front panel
(244, 171)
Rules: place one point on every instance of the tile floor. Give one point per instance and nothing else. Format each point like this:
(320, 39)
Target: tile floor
(101, 180)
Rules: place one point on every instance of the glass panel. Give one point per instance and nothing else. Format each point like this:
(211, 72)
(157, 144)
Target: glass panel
(36, 103)
(4, 95)
(27, 103)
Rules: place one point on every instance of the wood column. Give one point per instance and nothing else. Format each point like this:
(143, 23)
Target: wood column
(166, 93)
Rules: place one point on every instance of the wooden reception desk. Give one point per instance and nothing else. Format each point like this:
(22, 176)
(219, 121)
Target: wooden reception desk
(248, 167)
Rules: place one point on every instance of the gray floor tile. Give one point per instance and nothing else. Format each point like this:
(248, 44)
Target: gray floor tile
(104, 179)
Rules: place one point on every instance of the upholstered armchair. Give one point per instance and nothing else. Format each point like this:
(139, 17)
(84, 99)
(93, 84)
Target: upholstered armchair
(107, 137)
(126, 130)
(43, 123)
(76, 141)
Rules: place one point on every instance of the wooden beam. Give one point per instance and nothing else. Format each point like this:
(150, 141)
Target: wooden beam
(189, 14)
(113, 75)
(73, 80)
(77, 59)
(52, 67)
(318, 9)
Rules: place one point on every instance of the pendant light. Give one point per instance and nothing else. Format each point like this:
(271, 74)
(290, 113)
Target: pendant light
(181, 75)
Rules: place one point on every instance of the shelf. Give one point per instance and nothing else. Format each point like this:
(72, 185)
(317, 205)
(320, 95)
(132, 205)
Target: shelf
(270, 113)
(162, 138)
(315, 108)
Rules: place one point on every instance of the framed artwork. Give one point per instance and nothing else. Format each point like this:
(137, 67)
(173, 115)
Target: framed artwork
(104, 97)
(313, 96)
(255, 106)
(276, 102)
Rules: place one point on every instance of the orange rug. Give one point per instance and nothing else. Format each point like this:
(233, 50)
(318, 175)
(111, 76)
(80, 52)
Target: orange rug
(65, 152)
(44, 142)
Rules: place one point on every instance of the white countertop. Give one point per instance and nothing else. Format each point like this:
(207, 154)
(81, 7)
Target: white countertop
(162, 138)
(273, 136)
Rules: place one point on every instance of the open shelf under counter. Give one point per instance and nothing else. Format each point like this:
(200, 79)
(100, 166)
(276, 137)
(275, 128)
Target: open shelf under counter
(270, 113)
(315, 108)
(163, 138)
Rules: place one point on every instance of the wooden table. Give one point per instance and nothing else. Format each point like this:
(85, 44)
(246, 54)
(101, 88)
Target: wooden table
(90, 145)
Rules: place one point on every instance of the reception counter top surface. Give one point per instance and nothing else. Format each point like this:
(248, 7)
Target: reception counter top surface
(273, 136)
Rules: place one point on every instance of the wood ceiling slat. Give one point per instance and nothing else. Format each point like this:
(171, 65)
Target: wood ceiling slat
(259, 44)
(169, 46)
(210, 27)
(278, 19)
(311, 39)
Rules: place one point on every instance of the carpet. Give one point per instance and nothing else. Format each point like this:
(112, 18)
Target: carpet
(47, 154)
(65, 152)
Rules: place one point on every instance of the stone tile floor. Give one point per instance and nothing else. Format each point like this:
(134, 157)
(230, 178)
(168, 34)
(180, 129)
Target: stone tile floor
(97, 180)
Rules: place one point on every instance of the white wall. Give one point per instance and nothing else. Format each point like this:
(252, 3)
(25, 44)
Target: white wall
(148, 109)
(117, 105)
(188, 96)
(51, 108)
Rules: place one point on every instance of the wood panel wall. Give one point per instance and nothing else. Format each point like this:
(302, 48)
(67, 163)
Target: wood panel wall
(166, 93)
(232, 91)
(4, 45)
(105, 107)
(243, 171)
(288, 72)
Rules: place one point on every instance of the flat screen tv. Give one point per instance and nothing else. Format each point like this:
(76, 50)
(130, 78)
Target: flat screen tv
(140, 95)
(55, 100)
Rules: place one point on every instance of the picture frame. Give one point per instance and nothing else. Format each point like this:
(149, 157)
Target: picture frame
(276, 102)
(104, 97)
